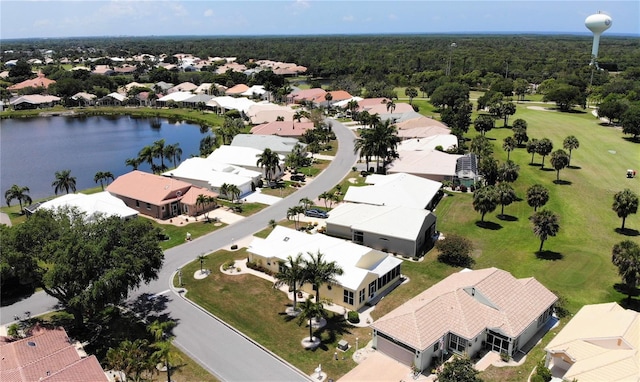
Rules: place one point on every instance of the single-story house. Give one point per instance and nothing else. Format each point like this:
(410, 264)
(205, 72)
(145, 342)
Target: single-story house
(366, 272)
(177, 97)
(256, 91)
(467, 173)
(39, 82)
(101, 203)
(84, 99)
(600, 343)
(226, 103)
(33, 101)
(307, 95)
(149, 194)
(381, 108)
(261, 113)
(48, 355)
(464, 313)
(237, 90)
(245, 157)
(396, 190)
(433, 165)
(211, 175)
(281, 145)
(112, 99)
(445, 141)
(401, 230)
(183, 87)
(189, 201)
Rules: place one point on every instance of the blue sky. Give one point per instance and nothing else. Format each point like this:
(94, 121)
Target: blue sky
(33, 18)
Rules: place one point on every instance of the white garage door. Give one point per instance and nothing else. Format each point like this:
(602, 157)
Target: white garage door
(395, 350)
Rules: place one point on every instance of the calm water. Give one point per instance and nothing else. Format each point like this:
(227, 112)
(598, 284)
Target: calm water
(32, 150)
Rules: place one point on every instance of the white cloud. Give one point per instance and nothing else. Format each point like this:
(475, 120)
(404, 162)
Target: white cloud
(393, 17)
(208, 13)
(348, 19)
(301, 4)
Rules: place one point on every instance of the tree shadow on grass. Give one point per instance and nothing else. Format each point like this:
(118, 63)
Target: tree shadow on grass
(535, 164)
(574, 167)
(563, 182)
(627, 231)
(632, 139)
(624, 289)
(488, 225)
(549, 255)
(507, 218)
(547, 169)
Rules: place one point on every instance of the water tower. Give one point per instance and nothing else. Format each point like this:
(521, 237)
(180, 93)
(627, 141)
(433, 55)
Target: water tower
(597, 24)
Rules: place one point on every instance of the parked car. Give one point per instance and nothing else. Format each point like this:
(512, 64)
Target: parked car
(298, 177)
(315, 213)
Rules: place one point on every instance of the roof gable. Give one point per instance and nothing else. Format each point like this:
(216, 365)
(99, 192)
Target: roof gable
(149, 188)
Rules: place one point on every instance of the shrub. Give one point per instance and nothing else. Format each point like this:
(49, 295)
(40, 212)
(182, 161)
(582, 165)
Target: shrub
(463, 188)
(228, 264)
(353, 317)
(536, 378)
(455, 251)
(543, 372)
(259, 268)
(13, 330)
(504, 356)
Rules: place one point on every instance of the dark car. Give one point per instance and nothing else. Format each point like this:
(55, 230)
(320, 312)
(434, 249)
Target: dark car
(298, 177)
(314, 213)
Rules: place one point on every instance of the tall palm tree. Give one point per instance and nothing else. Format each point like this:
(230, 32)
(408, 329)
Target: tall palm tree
(132, 358)
(570, 143)
(224, 190)
(164, 353)
(544, 148)
(133, 162)
(292, 274)
(233, 191)
(145, 155)
(158, 152)
(532, 148)
(537, 196)
(173, 152)
(625, 203)
(508, 172)
(201, 201)
(545, 224)
(270, 161)
(559, 160)
(485, 200)
(306, 203)
(102, 177)
(506, 195)
(626, 256)
(509, 145)
(319, 271)
(353, 106)
(18, 193)
(294, 213)
(201, 259)
(308, 311)
(411, 93)
(328, 97)
(325, 196)
(391, 106)
(64, 181)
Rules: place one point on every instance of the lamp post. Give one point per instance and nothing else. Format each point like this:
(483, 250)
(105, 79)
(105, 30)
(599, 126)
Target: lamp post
(180, 277)
(451, 47)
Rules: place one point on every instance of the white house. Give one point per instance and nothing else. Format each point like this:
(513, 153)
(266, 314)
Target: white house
(397, 229)
(464, 313)
(396, 190)
(245, 157)
(366, 272)
(433, 164)
(281, 145)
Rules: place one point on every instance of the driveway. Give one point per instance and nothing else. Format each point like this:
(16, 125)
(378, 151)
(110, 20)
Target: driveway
(379, 367)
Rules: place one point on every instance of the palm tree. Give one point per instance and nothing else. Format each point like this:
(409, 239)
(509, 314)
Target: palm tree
(173, 152)
(319, 272)
(509, 145)
(158, 152)
(481, 146)
(506, 195)
(353, 106)
(626, 256)
(328, 97)
(164, 353)
(559, 160)
(64, 181)
(292, 274)
(485, 200)
(146, 155)
(308, 311)
(532, 148)
(544, 148)
(201, 201)
(570, 143)
(201, 258)
(270, 160)
(483, 123)
(545, 224)
(325, 196)
(132, 358)
(306, 203)
(233, 191)
(133, 162)
(18, 193)
(537, 196)
(508, 172)
(103, 176)
(411, 93)
(159, 329)
(294, 213)
(625, 203)
(207, 144)
(391, 106)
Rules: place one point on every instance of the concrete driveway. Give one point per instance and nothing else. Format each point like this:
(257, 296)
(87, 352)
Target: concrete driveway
(379, 367)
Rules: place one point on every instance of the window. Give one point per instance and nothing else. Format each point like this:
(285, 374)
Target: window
(358, 237)
(436, 347)
(361, 296)
(372, 288)
(138, 203)
(457, 344)
(148, 206)
(348, 297)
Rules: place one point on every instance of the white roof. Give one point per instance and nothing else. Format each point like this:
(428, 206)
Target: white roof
(237, 155)
(214, 173)
(394, 221)
(100, 203)
(261, 142)
(447, 142)
(344, 102)
(255, 89)
(232, 103)
(203, 87)
(176, 97)
(283, 242)
(432, 162)
(34, 99)
(394, 190)
(118, 96)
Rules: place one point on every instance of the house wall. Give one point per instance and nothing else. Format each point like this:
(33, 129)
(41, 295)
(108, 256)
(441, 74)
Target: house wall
(532, 329)
(341, 231)
(152, 210)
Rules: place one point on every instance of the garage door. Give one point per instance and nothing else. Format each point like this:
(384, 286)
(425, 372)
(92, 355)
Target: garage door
(395, 350)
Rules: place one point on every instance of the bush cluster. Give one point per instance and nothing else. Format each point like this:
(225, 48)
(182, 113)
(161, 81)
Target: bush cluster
(353, 317)
(259, 268)
(455, 251)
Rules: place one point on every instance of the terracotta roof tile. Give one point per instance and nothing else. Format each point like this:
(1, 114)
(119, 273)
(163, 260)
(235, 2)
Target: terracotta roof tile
(149, 188)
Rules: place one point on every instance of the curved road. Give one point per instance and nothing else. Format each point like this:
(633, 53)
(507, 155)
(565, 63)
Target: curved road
(220, 349)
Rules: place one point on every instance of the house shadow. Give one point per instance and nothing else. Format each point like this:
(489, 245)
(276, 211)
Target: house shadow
(549, 255)
(562, 182)
(507, 218)
(488, 225)
(627, 231)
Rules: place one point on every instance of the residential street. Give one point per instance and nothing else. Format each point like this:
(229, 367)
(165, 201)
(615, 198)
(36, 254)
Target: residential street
(221, 350)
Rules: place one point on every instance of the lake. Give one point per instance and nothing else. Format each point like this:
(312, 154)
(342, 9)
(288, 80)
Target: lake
(33, 149)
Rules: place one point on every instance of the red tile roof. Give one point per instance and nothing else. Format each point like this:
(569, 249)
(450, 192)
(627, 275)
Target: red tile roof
(39, 82)
(283, 128)
(149, 188)
(47, 356)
